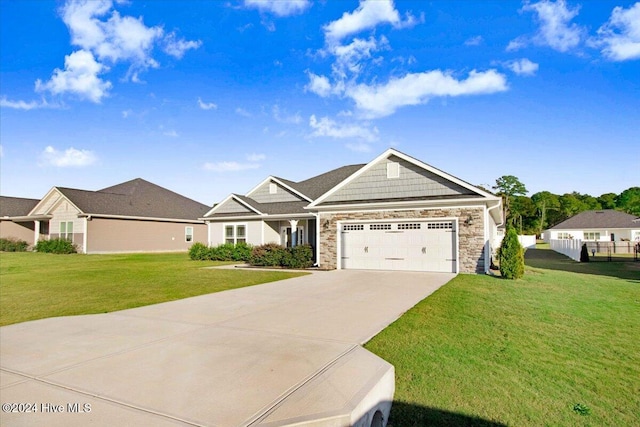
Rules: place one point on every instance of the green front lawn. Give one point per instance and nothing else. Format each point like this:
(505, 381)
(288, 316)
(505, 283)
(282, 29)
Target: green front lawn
(36, 285)
(559, 347)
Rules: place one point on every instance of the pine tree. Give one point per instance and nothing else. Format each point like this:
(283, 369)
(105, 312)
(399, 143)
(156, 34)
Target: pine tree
(511, 256)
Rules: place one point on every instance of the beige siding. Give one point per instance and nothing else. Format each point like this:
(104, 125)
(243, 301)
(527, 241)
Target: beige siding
(471, 241)
(48, 203)
(17, 230)
(217, 231)
(272, 232)
(262, 195)
(233, 206)
(115, 235)
(412, 182)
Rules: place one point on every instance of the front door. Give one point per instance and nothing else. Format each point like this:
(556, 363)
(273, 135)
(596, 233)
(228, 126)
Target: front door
(286, 239)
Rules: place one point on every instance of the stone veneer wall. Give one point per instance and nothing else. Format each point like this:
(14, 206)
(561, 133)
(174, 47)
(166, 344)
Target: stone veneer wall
(470, 237)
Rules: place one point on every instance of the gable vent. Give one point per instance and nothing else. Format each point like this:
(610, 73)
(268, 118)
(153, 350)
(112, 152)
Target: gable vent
(393, 170)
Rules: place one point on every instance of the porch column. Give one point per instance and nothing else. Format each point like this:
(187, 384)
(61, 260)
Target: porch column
(36, 232)
(294, 232)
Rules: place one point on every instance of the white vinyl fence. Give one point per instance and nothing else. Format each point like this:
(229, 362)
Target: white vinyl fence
(568, 247)
(527, 242)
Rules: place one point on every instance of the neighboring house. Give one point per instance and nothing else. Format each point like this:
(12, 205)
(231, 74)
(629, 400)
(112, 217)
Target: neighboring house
(394, 213)
(13, 210)
(598, 226)
(135, 216)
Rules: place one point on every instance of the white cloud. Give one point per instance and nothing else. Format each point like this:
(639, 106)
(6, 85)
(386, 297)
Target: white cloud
(359, 147)
(70, 157)
(279, 7)
(230, 166)
(367, 16)
(254, 157)
(327, 127)
(522, 67)
(126, 113)
(80, 77)
(242, 112)
(177, 48)
(283, 117)
(24, 105)
(620, 35)
(474, 41)
(349, 57)
(1, 151)
(417, 88)
(207, 105)
(319, 85)
(516, 44)
(172, 133)
(556, 29)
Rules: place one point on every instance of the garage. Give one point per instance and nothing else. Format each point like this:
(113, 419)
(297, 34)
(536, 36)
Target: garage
(407, 246)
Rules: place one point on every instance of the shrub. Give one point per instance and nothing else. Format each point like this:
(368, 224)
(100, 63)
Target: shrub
(298, 257)
(511, 256)
(13, 245)
(584, 253)
(242, 252)
(56, 246)
(199, 252)
(269, 255)
(223, 252)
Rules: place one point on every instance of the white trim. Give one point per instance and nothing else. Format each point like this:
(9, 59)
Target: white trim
(141, 218)
(390, 209)
(85, 238)
(273, 178)
(422, 204)
(193, 233)
(235, 231)
(237, 199)
(393, 152)
(317, 239)
(263, 217)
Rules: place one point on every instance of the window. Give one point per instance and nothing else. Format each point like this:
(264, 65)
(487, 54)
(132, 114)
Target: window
(409, 226)
(66, 230)
(393, 170)
(589, 235)
(440, 225)
(564, 236)
(380, 227)
(273, 188)
(353, 227)
(188, 234)
(235, 233)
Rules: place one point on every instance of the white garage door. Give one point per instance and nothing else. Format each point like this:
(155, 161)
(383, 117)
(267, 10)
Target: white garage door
(410, 246)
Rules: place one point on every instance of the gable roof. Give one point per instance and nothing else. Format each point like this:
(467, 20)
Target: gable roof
(607, 218)
(318, 185)
(471, 190)
(16, 206)
(136, 198)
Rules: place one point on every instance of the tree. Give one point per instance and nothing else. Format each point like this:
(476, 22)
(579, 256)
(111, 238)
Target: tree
(608, 200)
(544, 202)
(509, 186)
(511, 256)
(523, 213)
(629, 201)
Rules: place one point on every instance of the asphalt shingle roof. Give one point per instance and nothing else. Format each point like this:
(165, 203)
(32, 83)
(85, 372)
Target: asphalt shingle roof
(318, 185)
(16, 206)
(608, 218)
(136, 198)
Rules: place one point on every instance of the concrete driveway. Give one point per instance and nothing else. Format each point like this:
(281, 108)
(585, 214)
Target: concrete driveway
(275, 354)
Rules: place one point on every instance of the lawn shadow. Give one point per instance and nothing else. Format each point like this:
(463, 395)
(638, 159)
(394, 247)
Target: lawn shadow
(410, 415)
(623, 268)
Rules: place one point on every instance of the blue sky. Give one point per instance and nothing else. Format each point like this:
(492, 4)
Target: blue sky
(207, 98)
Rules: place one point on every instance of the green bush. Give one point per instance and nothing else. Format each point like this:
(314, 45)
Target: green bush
(269, 255)
(56, 246)
(298, 257)
(199, 252)
(242, 252)
(511, 256)
(223, 252)
(13, 245)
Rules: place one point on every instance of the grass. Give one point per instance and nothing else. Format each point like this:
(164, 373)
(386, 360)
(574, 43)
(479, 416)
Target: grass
(36, 285)
(559, 347)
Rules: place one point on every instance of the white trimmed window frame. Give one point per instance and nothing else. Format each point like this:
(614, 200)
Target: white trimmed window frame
(393, 170)
(188, 234)
(235, 236)
(67, 234)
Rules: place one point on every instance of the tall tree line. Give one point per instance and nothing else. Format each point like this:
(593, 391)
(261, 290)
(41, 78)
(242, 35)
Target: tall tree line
(532, 215)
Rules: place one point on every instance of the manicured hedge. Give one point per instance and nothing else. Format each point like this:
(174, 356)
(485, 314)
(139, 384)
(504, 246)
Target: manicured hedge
(56, 246)
(13, 245)
(269, 255)
(223, 252)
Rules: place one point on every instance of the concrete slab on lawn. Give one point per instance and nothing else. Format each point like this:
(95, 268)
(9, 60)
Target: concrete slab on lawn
(274, 354)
